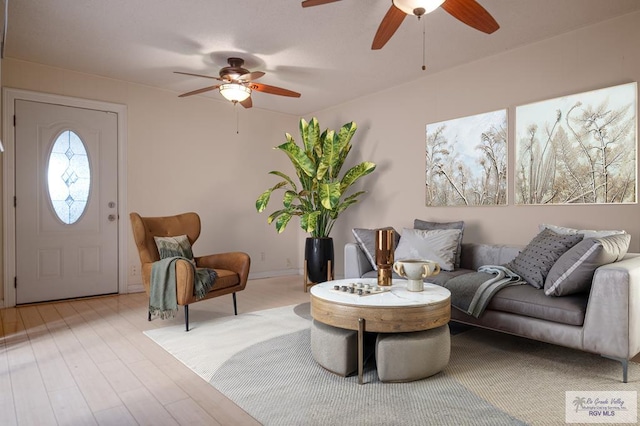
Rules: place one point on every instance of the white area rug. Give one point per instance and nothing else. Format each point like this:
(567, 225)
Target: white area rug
(209, 344)
(262, 362)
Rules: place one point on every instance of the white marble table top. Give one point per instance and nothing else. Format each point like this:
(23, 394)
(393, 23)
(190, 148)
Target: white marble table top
(397, 296)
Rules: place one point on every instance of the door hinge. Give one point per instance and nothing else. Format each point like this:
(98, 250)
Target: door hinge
(15, 282)
(15, 201)
(14, 120)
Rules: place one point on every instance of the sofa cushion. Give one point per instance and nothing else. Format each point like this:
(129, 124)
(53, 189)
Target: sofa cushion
(528, 301)
(366, 239)
(476, 255)
(536, 259)
(573, 271)
(427, 225)
(586, 233)
(438, 245)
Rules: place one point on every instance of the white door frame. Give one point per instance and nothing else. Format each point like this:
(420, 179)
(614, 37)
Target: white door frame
(9, 96)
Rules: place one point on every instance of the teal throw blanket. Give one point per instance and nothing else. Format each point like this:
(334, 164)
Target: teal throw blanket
(471, 293)
(163, 300)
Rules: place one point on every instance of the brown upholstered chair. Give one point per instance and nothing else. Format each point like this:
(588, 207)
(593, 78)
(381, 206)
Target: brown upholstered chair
(232, 268)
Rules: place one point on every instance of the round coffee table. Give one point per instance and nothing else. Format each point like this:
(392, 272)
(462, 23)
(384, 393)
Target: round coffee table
(394, 311)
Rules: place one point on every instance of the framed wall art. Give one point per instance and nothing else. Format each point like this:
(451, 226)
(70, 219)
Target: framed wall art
(466, 161)
(578, 149)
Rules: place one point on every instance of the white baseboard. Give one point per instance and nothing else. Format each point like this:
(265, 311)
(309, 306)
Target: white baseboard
(135, 288)
(279, 273)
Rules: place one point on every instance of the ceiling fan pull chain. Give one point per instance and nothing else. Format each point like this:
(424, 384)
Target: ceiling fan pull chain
(424, 46)
(235, 106)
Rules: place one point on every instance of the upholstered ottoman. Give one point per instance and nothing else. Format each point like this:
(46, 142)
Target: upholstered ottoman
(336, 349)
(404, 357)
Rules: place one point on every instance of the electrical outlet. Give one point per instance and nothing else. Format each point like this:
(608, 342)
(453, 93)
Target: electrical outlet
(134, 270)
(262, 256)
(289, 265)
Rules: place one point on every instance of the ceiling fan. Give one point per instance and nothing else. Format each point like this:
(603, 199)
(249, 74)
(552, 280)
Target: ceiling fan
(238, 83)
(468, 11)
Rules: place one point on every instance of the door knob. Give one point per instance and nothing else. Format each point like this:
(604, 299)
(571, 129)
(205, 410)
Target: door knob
(111, 217)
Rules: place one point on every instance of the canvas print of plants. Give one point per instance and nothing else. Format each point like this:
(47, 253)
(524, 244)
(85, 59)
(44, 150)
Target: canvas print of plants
(466, 161)
(578, 149)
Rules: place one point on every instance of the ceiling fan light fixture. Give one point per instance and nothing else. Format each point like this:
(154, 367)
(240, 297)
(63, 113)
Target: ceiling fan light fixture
(417, 7)
(235, 92)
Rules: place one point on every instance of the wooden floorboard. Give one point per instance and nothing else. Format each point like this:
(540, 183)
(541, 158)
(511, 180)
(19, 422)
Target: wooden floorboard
(87, 362)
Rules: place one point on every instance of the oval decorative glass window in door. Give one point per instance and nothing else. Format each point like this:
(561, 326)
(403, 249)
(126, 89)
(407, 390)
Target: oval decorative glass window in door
(69, 177)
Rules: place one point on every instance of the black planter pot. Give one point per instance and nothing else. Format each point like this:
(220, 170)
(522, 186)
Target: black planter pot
(318, 255)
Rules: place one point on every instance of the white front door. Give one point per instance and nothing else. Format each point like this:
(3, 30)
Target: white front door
(66, 194)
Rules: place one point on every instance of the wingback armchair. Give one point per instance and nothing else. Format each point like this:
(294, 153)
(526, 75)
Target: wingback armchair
(232, 268)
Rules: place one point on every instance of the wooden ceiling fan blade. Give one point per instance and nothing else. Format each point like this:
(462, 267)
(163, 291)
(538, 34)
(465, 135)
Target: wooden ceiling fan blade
(309, 3)
(196, 92)
(250, 76)
(198, 75)
(273, 90)
(247, 103)
(471, 13)
(390, 23)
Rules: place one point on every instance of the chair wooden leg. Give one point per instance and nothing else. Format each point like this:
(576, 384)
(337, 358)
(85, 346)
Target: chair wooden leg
(235, 306)
(186, 317)
(149, 315)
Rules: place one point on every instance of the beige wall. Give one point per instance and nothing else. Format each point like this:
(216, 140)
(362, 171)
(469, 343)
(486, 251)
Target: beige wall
(219, 174)
(185, 155)
(392, 131)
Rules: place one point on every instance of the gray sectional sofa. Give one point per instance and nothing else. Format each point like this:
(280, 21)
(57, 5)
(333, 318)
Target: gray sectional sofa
(604, 320)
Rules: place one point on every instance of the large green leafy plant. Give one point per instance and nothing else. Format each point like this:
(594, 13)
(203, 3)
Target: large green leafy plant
(319, 198)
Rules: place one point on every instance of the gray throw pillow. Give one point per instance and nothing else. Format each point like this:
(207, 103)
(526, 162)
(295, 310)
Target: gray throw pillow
(366, 239)
(424, 224)
(536, 260)
(438, 245)
(178, 246)
(573, 271)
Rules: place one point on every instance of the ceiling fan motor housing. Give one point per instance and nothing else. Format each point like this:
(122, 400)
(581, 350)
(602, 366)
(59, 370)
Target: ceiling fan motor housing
(234, 70)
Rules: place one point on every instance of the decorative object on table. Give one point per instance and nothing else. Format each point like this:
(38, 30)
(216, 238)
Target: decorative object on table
(466, 161)
(320, 195)
(361, 289)
(384, 255)
(415, 271)
(366, 239)
(578, 149)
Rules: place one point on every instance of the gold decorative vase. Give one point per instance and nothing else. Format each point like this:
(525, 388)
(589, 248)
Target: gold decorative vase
(384, 256)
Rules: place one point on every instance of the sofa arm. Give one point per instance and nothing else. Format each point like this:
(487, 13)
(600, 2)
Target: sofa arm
(356, 263)
(612, 320)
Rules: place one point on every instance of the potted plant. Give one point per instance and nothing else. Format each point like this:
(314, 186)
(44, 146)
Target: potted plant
(320, 194)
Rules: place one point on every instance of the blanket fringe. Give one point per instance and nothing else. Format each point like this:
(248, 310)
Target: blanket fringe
(162, 314)
(205, 278)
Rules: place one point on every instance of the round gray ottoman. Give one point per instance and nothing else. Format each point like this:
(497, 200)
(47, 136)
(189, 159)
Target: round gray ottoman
(404, 357)
(335, 349)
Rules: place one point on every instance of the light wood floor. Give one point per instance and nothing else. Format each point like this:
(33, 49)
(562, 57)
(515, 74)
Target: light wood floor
(86, 362)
